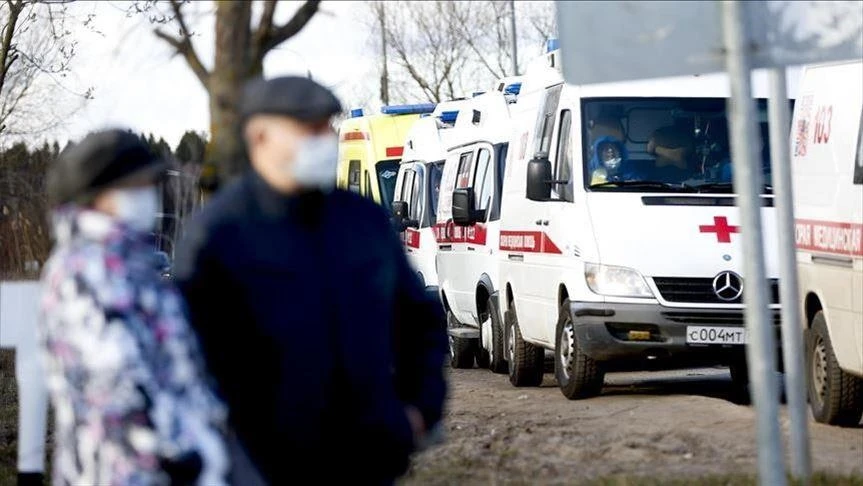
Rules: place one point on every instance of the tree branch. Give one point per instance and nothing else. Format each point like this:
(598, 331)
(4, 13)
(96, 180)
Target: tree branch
(8, 33)
(264, 31)
(184, 46)
(290, 29)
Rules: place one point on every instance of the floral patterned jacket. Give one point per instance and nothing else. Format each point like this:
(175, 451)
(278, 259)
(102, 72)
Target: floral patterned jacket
(130, 394)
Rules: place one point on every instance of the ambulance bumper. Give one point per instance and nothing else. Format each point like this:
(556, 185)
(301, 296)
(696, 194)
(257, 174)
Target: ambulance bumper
(652, 333)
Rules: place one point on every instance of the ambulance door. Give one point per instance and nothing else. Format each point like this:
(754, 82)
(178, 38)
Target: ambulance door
(444, 229)
(403, 185)
(462, 272)
(540, 252)
(477, 257)
(413, 196)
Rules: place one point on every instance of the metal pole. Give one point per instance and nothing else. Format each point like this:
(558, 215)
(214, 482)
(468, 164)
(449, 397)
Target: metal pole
(514, 38)
(761, 348)
(792, 348)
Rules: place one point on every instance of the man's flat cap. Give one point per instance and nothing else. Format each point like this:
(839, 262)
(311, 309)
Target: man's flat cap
(291, 96)
(100, 161)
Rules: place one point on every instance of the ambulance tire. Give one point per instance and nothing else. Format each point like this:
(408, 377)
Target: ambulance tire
(525, 360)
(461, 350)
(497, 361)
(578, 375)
(835, 397)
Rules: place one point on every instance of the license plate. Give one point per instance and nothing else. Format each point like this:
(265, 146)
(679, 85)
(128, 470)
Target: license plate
(715, 335)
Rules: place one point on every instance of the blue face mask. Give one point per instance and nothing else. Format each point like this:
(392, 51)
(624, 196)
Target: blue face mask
(314, 166)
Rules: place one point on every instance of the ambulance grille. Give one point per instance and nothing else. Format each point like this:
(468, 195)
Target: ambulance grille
(700, 290)
(713, 319)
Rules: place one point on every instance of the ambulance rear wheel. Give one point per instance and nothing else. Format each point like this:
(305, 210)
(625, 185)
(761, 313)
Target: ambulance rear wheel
(461, 350)
(835, 397)
(578, 375)
(525, 360)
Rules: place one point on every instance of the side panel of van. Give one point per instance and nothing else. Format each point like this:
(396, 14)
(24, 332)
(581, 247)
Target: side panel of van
(828, 183)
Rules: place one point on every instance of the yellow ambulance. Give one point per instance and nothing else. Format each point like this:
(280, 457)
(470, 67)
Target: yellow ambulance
(370, 149)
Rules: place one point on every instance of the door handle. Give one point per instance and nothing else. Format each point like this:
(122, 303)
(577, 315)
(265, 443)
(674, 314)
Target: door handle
(470, 248)
(445, 247)
(515, 257)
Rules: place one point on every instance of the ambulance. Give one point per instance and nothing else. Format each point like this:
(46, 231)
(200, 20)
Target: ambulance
(827, 167)
(418, 187)
(370, 148)
(467, 228)
(620, 241)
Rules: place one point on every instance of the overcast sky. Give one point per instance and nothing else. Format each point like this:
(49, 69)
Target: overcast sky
(140, 84)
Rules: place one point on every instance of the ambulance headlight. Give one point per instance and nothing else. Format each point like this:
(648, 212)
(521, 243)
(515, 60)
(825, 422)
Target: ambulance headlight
(615, 281)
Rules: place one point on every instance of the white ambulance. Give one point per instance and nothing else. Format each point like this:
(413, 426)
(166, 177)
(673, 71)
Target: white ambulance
(620, 241)
(827, 161)
(468, 225)
(418, 185)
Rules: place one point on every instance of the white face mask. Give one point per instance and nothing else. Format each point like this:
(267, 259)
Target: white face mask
(137, 207)
(613, 164)
(314, 166)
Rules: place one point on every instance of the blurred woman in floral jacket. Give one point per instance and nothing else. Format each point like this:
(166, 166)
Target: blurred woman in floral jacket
(130, 395)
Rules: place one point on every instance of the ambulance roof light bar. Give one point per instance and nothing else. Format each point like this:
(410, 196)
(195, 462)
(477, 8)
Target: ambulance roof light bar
(513, 88)
(415, 109)
(448, 116)
(552, 45)
(356, 113)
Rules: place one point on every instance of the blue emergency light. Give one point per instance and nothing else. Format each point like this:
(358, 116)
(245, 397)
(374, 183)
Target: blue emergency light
(448, 116)
(552, 45)
(478, 93)
(408, 109)
(513, 89)
(356, 113)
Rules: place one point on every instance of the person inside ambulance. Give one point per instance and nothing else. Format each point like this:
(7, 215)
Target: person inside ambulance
(609, 161)
(673, 148)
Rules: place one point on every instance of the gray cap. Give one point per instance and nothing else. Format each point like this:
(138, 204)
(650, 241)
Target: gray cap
(291, 96)
(100, 161)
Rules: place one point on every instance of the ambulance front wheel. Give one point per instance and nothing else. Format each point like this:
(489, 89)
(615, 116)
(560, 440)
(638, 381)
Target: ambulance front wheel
(461, 350)
(525, 359)
(578, 375)
(835, 396)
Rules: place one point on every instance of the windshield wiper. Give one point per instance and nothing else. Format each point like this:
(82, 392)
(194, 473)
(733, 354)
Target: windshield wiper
(645, 184)
(716, 186)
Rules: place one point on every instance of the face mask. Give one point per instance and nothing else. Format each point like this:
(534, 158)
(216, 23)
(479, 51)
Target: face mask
(613, 164)
(314, 166)
(137, 207)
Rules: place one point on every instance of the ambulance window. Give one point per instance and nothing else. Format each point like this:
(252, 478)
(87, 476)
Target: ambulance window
(415, 201)
(435, 174)
(464, 166)
(545, 120)
(563, 161)
(354, 176)
(483, 181)
(858, 164)
(405, 193)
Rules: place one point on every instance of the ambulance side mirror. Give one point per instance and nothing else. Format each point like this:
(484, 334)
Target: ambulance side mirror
(539, 179)
(463, 213)
(402, 221)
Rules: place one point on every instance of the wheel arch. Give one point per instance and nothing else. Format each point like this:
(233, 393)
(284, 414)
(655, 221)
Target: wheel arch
(811, 305)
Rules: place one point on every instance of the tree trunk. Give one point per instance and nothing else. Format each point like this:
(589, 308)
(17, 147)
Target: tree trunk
(225, 152)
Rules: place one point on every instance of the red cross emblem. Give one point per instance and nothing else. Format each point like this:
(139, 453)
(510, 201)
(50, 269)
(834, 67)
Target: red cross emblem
(722, 229)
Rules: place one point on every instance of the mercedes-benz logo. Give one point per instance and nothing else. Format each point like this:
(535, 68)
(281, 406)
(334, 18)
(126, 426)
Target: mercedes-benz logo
(728, 286)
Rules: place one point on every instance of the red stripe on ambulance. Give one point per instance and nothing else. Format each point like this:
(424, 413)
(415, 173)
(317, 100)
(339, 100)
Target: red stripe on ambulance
(829, 237)
(412, 238)
(527, 241)
(449, 232)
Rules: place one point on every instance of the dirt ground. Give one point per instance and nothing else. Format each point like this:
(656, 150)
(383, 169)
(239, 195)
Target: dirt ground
(678, 425)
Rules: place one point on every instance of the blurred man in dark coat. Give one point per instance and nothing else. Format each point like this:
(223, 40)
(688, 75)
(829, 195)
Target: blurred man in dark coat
(323, 342)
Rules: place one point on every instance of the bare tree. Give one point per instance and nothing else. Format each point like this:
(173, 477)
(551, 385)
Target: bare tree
(36, 52)
(442, 49)
(240, 52)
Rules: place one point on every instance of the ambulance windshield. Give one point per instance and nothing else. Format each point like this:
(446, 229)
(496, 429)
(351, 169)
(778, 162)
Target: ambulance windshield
(662, 145)
(387, 171)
